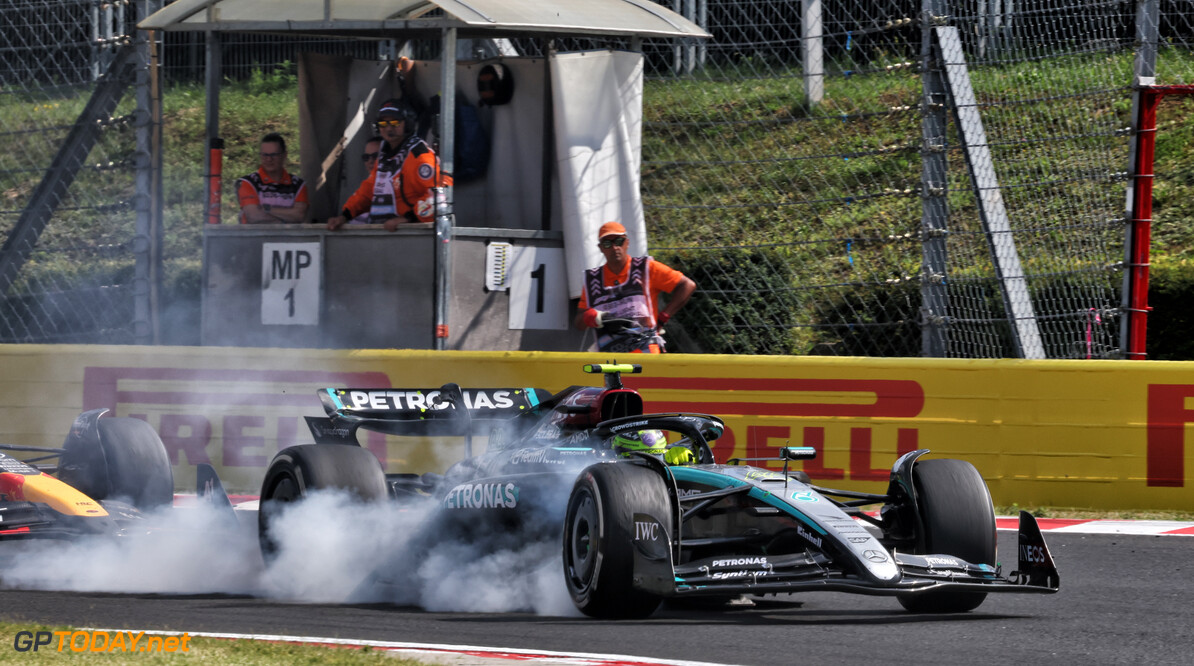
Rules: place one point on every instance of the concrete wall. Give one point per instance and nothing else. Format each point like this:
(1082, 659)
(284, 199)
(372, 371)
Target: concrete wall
(364, 287)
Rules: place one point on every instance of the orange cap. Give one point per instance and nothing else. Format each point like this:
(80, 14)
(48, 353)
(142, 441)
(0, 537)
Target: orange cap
(611, 229)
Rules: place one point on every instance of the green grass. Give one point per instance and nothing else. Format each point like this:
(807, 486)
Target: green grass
(733, 159)
(266, 102)
(215, 651)
(741, 161)
(201, 651)
(731, 163)
(773, 172)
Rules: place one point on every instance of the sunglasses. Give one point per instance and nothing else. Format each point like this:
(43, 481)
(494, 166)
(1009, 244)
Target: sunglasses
(607, 243)
(369, 157)
(265, 155)
(389, 123)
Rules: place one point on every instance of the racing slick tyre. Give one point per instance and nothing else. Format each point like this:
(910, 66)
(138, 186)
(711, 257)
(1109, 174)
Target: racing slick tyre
(133, 465)
(959, 520)
(599, 538)
(298, 470)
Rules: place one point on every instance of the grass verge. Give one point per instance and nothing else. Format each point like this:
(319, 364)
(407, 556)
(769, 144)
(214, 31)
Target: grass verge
(199, 650)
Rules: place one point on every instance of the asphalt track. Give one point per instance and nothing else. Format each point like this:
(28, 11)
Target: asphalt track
(1124, 599)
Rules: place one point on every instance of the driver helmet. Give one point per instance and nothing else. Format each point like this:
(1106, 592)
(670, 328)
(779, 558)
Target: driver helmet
(645, 441)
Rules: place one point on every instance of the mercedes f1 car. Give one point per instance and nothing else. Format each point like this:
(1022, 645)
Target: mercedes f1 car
(636, 530)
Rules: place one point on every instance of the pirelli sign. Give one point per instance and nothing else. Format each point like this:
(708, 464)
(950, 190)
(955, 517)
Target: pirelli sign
(1110, 434)
(233, 418)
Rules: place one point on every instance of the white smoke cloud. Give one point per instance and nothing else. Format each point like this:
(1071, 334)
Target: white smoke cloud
(331, 549)
(185, 551)
(388, 553)
(469, 578)
(329, 545)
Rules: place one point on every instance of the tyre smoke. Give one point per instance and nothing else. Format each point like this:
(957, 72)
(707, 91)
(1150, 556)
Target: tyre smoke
(331, 548)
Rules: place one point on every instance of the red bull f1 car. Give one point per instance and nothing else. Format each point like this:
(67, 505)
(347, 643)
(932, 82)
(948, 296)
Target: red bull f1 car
(635, 530)
(108, 474)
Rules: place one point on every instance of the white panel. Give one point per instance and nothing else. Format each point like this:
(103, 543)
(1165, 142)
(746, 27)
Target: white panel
(622, 17)
(598, 103)
(290, 282)
(538, 293)
(497, 266)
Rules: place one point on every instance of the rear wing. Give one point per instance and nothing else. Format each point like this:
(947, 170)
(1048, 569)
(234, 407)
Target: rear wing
(445, 411)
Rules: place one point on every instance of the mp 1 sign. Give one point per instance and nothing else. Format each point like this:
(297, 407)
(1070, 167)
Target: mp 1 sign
(290, 281)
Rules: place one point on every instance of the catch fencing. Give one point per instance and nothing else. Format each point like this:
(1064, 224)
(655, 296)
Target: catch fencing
(869, 202)
(86, 258)
(866, 177)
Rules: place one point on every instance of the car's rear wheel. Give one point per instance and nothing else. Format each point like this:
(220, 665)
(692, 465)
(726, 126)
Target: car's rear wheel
(959, 520)
(298, 470)
(133, 465)
(599, 538)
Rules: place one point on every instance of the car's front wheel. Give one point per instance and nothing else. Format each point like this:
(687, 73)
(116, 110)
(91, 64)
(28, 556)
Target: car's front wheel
(131, 464)
(959, 520)
(599, 538)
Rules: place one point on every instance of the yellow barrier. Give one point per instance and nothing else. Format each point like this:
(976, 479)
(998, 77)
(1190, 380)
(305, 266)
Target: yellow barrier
(1100, 434)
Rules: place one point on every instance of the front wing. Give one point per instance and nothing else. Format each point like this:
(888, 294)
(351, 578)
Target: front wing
(31, 520)
(812, 571)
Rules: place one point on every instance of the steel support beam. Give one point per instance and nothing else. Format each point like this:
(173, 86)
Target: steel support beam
(147, 242)
(812, 49)
(934, 184)
(1013, 285)
(65, 166)
(445, 219)
(1138, 231)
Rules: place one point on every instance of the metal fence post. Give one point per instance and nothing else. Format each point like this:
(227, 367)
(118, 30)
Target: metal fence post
(933, 189)
(214, 66)
(812, 49)
(993, 211)
(444, 218)
(147, 239)
(1134, 295)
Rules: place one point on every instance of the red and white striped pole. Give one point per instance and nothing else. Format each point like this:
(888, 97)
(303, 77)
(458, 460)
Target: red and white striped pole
(1140, 233)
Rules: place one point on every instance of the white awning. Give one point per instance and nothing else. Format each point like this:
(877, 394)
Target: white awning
(384, 18)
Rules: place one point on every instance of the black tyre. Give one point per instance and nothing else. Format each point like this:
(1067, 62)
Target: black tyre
(959, 520)
(599, 534)
(132, 465)
(298, 470)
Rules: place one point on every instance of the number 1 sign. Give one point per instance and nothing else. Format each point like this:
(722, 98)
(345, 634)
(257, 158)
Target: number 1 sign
(538, 288)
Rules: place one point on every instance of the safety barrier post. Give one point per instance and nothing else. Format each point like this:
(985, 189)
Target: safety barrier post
(215, 179)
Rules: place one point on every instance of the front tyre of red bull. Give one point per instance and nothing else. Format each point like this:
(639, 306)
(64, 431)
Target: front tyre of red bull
(126, 461)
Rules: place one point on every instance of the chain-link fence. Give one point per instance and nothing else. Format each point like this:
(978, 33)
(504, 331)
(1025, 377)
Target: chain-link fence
(863, 215)
(68, 159)
(84, 258)
(873, 177)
